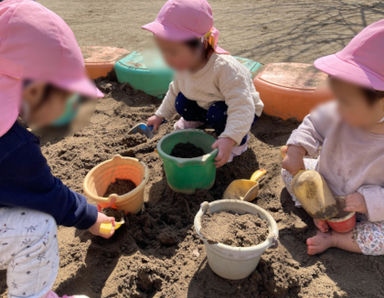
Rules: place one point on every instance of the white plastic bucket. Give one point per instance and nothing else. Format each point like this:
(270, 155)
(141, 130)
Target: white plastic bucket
(235, 262)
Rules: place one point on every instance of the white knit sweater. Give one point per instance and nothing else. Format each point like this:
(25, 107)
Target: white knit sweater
(223, 78)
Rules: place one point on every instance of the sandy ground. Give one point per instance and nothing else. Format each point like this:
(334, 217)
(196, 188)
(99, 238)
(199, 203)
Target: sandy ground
(265, 30)
(158, 254)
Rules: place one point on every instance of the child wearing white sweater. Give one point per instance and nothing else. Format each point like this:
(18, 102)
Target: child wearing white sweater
(210, 87)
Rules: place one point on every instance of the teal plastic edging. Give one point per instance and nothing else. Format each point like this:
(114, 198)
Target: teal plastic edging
(134, 70)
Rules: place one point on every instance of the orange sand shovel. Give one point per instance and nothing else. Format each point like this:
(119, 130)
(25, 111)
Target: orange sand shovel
(244, 189)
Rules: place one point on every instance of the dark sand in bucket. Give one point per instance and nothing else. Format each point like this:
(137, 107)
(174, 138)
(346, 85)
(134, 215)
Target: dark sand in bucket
(187, 150)
(117, 214)
(120, 187)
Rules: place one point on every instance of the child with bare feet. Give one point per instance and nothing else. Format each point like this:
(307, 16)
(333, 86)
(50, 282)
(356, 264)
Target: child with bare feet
(349, 133)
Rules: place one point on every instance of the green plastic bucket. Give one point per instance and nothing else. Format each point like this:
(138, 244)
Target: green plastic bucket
(145, 71)
(186, 175)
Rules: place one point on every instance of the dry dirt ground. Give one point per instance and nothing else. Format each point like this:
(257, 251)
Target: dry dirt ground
(158, 253)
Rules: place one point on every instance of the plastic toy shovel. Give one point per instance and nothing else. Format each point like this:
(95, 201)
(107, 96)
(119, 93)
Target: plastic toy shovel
(244, 189)
(106, 228)
(313, 193)
(143, 129)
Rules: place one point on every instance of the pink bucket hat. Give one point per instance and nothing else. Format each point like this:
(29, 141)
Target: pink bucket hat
(182, 20)
(38, 45)
(362, 61)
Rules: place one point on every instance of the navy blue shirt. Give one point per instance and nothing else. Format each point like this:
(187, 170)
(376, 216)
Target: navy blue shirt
(26, 181)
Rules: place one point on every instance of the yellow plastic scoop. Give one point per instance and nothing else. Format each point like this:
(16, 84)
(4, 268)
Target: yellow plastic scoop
(244, 189)
(313, 193)
(106, 228)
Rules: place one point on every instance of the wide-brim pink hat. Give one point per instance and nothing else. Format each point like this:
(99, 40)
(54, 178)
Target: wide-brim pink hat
(362, 61)
(37, 45)
(183, 20)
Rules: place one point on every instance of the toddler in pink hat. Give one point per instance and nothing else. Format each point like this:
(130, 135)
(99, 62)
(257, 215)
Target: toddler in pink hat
(210, 87)
(349, 133)
(41, 66)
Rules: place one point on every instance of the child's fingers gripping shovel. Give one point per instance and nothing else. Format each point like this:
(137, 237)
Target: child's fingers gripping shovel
(110, 209)
(244, 189)
(313, 192)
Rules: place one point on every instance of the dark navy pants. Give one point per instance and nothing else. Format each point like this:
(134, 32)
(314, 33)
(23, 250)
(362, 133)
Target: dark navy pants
(215, 116)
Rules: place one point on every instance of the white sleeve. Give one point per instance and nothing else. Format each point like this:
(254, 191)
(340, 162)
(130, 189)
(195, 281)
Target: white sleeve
(167, 108)
(236, 86)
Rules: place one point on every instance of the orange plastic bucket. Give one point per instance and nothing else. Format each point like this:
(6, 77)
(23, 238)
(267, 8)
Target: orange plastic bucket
(343, 225)
(100, 177)
(99, 61)
(291, 90)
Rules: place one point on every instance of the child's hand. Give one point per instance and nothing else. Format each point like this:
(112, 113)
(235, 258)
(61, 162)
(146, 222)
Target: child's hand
(155, 121)
(293, 160)
(102, 218)
(355, 203)
(225, 146)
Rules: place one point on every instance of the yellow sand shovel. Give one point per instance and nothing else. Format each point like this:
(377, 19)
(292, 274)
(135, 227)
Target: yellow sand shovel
(244, 189)
(313, 193)
(106, 228)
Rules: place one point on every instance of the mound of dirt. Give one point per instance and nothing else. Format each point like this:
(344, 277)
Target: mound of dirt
(186, 150)
(240, 230)
(117, 214)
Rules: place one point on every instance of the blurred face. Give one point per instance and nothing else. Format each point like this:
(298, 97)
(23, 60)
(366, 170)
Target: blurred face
(178, 55)
(44, 104)
(354, 107)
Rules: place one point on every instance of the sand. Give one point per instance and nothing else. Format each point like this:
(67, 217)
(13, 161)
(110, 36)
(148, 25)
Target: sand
(120, 187)
(117, 214)
(186, 150)
(239, 230)
(158, 254)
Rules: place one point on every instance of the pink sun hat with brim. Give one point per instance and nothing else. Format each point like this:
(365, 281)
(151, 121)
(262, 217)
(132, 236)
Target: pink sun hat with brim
(182, 20)
(37, 45)
(362, 61)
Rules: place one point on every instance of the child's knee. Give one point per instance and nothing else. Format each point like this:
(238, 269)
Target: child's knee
(180, 103)
(189, 109)
(217, 116)
(369, 236)
(38, 255)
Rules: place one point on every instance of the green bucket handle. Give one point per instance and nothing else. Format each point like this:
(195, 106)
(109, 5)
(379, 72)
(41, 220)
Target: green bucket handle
(196, 161)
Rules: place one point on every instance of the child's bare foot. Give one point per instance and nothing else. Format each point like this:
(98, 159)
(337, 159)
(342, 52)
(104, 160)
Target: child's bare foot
(321, 225)
(319, 243)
